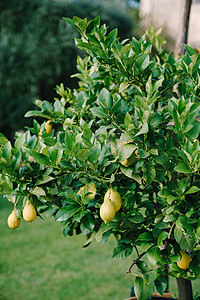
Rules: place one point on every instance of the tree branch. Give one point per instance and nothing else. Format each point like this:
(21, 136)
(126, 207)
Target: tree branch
(137, 259)
(183, 34)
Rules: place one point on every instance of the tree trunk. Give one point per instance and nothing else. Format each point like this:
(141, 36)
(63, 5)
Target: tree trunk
(184, 289)
(183, 34)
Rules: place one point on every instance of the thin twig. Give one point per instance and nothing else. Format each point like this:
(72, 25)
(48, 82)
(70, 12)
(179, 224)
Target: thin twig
(137, 259)
(170, 232)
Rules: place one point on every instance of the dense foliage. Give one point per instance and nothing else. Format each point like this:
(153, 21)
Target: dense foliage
(37, 50)
(128, 101)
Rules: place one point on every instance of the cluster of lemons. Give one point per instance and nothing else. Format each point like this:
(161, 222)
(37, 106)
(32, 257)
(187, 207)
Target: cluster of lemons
(29, 215)
(112, 203)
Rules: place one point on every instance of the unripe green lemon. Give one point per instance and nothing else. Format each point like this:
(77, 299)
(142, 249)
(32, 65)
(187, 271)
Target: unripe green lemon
(107, 211)
(29, 212)
(185, 260)
(115, 197)
(48, 127)
(13, 221)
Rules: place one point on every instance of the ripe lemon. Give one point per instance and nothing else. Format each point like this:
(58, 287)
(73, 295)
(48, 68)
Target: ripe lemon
(185, 260)
(129, 161)
(107, 211)
(29, 212)
(115, 197)
(88, 188)
(48, 126)
(13, 221)
(40, 133)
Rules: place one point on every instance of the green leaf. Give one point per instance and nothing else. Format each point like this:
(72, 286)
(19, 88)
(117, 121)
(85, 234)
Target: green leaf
(166, 194)
(190, 50)
(105, 98)
(70, 21)
(127, 119)
(6, 184)
(143, 130)
(44, 179)
(182, 184)
(82, 155)
(143, 289)
(184, 239)
(145, 237)
(136, 219)
(182, 168)
(94, 154)
(103, 228)
(66, 230)
(7, 150)
(111, 37)
(20, 141)
(69, 140)
(153, 256)
(65, 213)
(193, 189)
(142, 266)
(39, 157)
(38, 191)
(88, 221)
(149, 173)
(55, 155)
(16, 159)
(162, 236)
(123, 249)
(3, 140)
(161, 284)
(126, 150)
(142, 62)
(99, 112)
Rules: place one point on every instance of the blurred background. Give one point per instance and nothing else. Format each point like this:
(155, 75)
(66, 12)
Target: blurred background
(37, 50)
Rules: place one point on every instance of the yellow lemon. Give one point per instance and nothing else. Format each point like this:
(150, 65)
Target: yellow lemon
(129, 161)
(29, 212)
(48, 126)
(40, 133)
(107, 211)
(13, 221)
(185, 260)
(115, 197)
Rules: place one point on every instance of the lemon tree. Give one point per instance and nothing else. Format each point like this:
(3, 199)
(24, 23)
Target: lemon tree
(131, 128)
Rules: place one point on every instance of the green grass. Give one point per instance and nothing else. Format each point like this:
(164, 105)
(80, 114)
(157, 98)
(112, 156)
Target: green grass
(37, 262)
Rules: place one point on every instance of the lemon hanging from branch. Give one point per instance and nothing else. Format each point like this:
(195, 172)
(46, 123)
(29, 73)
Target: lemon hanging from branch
(13, 221)
(115, 198)
(48, 126)
(185, 261)
(107, 211)
(29, 212)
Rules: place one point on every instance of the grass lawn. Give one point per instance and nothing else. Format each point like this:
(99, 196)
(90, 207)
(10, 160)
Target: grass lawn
(37, 262)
